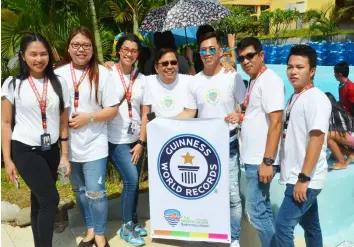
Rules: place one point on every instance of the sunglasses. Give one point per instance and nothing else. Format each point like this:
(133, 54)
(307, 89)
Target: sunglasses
(126, 50)
(248, 56)
(204, 51)
(166, 63)
(77, 46)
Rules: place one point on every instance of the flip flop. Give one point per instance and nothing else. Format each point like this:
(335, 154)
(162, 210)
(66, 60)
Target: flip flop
(336, 168)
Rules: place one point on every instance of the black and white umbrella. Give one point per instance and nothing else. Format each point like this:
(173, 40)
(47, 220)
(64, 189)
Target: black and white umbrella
(183, 13)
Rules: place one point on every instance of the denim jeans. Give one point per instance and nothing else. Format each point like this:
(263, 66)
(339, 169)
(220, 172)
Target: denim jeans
(235, 199)
(306, 214)
(121, 159)
(88, 183)
(258, 206)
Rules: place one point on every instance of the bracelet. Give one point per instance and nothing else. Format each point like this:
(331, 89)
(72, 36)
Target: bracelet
(142, 143)
(63, 139)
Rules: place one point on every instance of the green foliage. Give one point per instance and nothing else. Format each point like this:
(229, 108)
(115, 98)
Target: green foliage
(240, 22)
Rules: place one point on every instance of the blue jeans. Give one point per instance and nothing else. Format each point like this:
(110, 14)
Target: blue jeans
(258, 206)
(235, 199)
(88, 183)
(306, 214)
(121, 159)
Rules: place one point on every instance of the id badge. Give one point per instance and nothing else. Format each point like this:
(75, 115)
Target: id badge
(131, 128)
(45, 142)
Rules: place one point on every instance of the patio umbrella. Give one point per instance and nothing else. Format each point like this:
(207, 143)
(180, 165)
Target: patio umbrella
(183, 13)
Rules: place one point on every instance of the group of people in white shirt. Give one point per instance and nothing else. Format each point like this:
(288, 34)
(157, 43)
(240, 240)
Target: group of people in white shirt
(94, 113)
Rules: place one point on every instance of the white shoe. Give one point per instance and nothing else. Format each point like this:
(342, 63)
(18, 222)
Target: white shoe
(235, 243)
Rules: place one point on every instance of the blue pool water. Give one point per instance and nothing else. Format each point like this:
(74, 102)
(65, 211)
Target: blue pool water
(324, 78)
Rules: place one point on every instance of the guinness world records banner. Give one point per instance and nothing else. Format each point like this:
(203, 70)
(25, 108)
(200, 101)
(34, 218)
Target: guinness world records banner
(189, 179)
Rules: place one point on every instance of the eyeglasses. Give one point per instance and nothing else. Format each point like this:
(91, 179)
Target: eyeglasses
(77, 46)
(248, 56)
(204, 51)
(126, 50)
(166, 63)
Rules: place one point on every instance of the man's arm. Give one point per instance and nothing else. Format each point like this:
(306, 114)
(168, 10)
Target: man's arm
(273, 136)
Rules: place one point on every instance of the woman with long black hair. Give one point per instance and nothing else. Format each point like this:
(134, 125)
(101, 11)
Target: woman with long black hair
(37, 101)
(340, 135)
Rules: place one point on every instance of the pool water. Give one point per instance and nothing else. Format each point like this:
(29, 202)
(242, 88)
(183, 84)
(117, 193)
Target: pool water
(324, 78)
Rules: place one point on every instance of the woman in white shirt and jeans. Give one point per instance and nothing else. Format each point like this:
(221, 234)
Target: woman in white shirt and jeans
(127, 135)
(37, 101)
(94, 101)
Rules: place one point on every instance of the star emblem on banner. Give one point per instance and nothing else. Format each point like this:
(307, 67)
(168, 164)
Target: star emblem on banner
(188, 158)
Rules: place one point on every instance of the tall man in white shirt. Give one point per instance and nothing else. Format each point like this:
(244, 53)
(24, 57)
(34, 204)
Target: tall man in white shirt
(260, 133)
(303, 153)
(214, 94)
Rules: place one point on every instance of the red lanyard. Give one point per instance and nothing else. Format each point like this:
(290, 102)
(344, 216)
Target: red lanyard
(42, 101)
(248, 94)
(128, 90)
(77, 84)
(290, 105)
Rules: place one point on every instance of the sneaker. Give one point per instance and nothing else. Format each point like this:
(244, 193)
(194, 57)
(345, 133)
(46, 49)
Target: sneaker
(235, 243)
(141, 230)
(128, 233)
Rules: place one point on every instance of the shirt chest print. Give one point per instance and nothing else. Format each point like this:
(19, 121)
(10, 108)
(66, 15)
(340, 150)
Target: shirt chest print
(212, 96)
(167, 103)
(49, 101)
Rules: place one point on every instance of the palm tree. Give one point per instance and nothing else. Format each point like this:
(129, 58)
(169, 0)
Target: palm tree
(96, 30)
(132, 11)
(327, 19)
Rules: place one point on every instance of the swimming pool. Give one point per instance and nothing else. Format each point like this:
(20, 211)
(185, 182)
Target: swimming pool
(324, 78)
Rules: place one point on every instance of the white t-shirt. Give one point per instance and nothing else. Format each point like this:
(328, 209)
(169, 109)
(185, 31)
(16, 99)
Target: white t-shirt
(267, 96)
(215, 96)
(167, 100)
(118, 127)
(311, 111)
(28, 119)
(89, 143)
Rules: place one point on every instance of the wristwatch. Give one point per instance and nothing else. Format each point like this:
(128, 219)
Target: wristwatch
(303, 178)
(92, 119)
(142, 143)
(268, 161)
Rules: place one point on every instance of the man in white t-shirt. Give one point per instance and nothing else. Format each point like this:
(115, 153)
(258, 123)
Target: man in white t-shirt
(260, 133)
(303, 151)
(214, 94)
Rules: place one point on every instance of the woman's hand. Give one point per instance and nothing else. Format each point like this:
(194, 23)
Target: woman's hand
(65, 162)
(233, 117)
(109, 65)
(136, 151)
(79, 119)
(11, 173)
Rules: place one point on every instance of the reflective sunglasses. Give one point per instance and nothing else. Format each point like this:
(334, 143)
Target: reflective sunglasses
(204, 51)
(126, 50)
(166, 63)
(77, 46)
(248, 56)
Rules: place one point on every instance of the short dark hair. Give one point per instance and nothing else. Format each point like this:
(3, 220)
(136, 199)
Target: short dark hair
(162, 52)
(204, 29)
(207, 36)
(130, 37)
(249, 41)
(342, 68)
(304, 51)
(164, 40)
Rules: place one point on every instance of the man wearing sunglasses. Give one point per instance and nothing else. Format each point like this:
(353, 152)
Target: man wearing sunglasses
(260, 133)
(214, 94)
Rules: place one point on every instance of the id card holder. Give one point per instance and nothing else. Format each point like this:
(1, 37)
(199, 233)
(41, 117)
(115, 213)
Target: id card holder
(45, 142)
(131, 128)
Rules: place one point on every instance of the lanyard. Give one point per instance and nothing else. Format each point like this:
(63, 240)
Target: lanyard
(290, 105)
(248, 94)
(128, 90)
(42, 101)
(77, 84)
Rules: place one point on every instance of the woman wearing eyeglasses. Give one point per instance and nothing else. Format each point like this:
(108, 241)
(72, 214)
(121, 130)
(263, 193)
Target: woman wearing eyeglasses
(127, 135)
(94, 101)
(167, 90)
